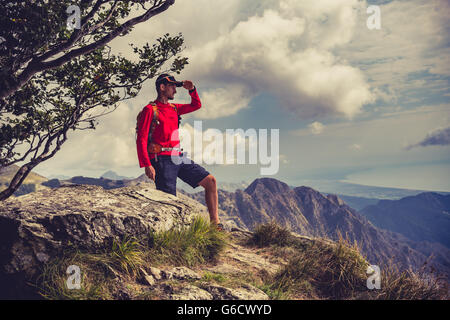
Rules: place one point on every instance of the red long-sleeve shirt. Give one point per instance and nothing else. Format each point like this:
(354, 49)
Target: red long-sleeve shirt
(162, 134)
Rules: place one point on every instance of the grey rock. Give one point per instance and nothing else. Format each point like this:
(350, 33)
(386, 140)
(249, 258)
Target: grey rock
(146, 278)
(163, 291)
(149, 280)
(155, 272)
(39, 226)
(167, 275)
(245, 292)
(190, 292)
(184, 273)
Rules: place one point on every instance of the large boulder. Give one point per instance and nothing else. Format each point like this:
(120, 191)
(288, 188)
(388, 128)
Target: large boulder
(41, 225)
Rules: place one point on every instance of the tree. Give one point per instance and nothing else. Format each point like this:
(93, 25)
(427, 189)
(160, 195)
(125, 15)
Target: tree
(53, 79)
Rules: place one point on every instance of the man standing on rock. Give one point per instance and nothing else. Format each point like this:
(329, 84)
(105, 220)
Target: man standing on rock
(161, 156)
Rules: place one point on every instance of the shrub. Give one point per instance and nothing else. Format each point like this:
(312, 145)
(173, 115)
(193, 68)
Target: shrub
(399, 284)
(327, 270)
(127, 255)
(271, 234)
(95, 276)
(333, 271)
(199, 243)
(217, 277)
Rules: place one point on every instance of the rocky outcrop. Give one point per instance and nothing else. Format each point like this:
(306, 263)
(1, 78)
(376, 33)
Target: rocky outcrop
(245, 292)
(207, 292)
(41, 225)
(190, 292)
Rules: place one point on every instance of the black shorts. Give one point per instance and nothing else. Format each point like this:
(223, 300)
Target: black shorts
(169, 168)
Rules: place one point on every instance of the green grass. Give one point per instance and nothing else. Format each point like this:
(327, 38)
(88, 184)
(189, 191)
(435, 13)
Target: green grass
(273, 292)
(126, 258)
(213, 277)
(315, 269)
(199, 243)
(128, 255)
(325, 270)
(271, 234)
(95, 276)
(423, 284)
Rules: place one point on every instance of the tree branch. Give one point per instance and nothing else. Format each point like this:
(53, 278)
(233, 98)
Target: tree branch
(38, 66)
(123, 28)
(76, 35)
(101, 24)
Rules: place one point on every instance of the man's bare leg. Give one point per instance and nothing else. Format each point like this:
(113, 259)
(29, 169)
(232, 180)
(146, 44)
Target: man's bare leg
(211, 197)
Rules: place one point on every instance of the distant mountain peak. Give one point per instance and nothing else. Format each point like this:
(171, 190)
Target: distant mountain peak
(112, 175)
(305, 189)
(268, 184)
(430, 195)
(422, 217)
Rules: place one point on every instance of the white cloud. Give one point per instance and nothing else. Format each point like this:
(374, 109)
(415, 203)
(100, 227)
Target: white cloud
(283, 48)
(381, 141)
(355, 146)
(329, 23)
(316, 127)
(88, 152)
(282, 52)
(222, 102)
(413, 39)
(316, 57)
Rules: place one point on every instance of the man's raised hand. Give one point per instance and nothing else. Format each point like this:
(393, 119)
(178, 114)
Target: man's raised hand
(188, 85)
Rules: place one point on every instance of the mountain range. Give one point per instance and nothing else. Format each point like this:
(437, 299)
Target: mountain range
(309, 213)
(424, 217)
(363, 191)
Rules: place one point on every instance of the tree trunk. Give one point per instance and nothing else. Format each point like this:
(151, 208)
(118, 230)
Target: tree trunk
(16, 182)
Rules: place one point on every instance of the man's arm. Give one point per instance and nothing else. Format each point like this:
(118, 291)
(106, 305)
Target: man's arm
(195, 99)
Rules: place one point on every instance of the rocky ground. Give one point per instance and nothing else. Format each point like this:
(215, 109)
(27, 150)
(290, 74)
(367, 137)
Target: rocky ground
(225, 279)
(38, 227)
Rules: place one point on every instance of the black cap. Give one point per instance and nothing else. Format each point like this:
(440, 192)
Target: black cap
(166, 78)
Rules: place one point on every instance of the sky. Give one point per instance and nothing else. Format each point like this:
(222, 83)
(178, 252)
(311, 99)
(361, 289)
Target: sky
(351, 102)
